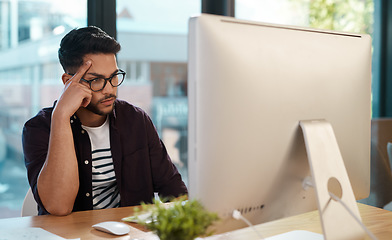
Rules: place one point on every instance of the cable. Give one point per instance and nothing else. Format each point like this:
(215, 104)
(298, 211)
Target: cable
(371, 235)
(238, 216)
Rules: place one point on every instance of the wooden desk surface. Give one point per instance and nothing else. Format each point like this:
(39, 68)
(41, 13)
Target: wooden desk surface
(78, 224)
(378, 221)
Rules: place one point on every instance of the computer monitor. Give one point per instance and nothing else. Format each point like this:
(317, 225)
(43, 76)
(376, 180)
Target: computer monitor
(249, 86)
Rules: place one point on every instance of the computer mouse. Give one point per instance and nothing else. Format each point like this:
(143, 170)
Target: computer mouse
(116, 228)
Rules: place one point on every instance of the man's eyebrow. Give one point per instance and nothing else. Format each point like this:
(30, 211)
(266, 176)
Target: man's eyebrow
(98, 75)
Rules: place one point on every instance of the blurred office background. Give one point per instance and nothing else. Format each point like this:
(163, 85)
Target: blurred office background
(153, 35)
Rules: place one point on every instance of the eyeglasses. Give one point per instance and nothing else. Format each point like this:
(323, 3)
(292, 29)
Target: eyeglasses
(97, 84)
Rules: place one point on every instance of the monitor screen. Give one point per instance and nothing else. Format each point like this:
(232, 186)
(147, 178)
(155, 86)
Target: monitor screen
(249, 86)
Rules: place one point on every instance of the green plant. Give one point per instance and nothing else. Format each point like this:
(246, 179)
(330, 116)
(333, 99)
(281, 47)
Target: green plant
(179, 220)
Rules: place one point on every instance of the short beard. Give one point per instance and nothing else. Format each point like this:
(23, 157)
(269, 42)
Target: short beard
(94, 109)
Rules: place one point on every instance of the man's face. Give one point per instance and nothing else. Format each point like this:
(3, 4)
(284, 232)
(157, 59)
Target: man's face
(103, 66)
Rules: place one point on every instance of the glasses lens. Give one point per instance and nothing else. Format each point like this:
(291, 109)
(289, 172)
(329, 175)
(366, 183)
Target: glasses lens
(117, 79)
(114, 80)
(97, 84)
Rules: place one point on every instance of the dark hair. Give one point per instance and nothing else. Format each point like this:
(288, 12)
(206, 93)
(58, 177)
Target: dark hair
(79, 42)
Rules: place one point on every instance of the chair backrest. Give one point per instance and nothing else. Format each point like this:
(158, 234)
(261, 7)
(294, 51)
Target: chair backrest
(380, 176)
(389, 150)
(381, 135)
(29, 207)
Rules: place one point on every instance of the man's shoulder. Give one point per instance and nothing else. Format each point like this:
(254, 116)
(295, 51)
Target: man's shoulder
(43, 116)
(124, 107)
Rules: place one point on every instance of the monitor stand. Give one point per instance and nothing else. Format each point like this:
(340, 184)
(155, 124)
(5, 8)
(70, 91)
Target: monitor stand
(329, 175)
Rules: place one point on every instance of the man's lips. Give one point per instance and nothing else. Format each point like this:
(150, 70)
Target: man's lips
(107, 101)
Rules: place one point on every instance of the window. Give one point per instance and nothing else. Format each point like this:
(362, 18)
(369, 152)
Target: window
(30, 79)
(153, 35)
(349, 16)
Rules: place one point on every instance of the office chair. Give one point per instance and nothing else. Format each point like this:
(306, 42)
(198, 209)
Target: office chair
(29, 207)
(381, 177)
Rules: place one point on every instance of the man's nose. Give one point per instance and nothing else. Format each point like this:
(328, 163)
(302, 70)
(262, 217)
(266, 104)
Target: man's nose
(108, 88)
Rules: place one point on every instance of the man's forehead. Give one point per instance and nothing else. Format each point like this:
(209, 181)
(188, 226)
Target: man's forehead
(102, 64)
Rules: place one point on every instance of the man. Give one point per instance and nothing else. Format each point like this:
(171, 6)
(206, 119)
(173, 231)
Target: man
(90, 150)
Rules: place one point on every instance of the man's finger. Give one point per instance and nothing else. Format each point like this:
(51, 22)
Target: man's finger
(82, 70)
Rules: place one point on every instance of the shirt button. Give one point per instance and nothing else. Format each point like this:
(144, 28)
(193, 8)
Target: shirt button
(87, 194)
(71, 121)
(86, 162)
(82, 131)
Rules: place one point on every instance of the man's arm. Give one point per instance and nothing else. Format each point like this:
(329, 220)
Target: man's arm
(58, 181)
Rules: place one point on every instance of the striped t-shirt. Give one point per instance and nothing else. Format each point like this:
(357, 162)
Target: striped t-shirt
(105, 191)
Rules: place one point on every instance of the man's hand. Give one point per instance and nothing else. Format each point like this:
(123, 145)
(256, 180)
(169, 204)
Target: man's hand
(75, 94)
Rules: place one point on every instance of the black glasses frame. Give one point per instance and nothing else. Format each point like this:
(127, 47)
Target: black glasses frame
(109, 79)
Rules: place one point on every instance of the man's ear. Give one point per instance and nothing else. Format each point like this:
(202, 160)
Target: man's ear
(65, 77)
